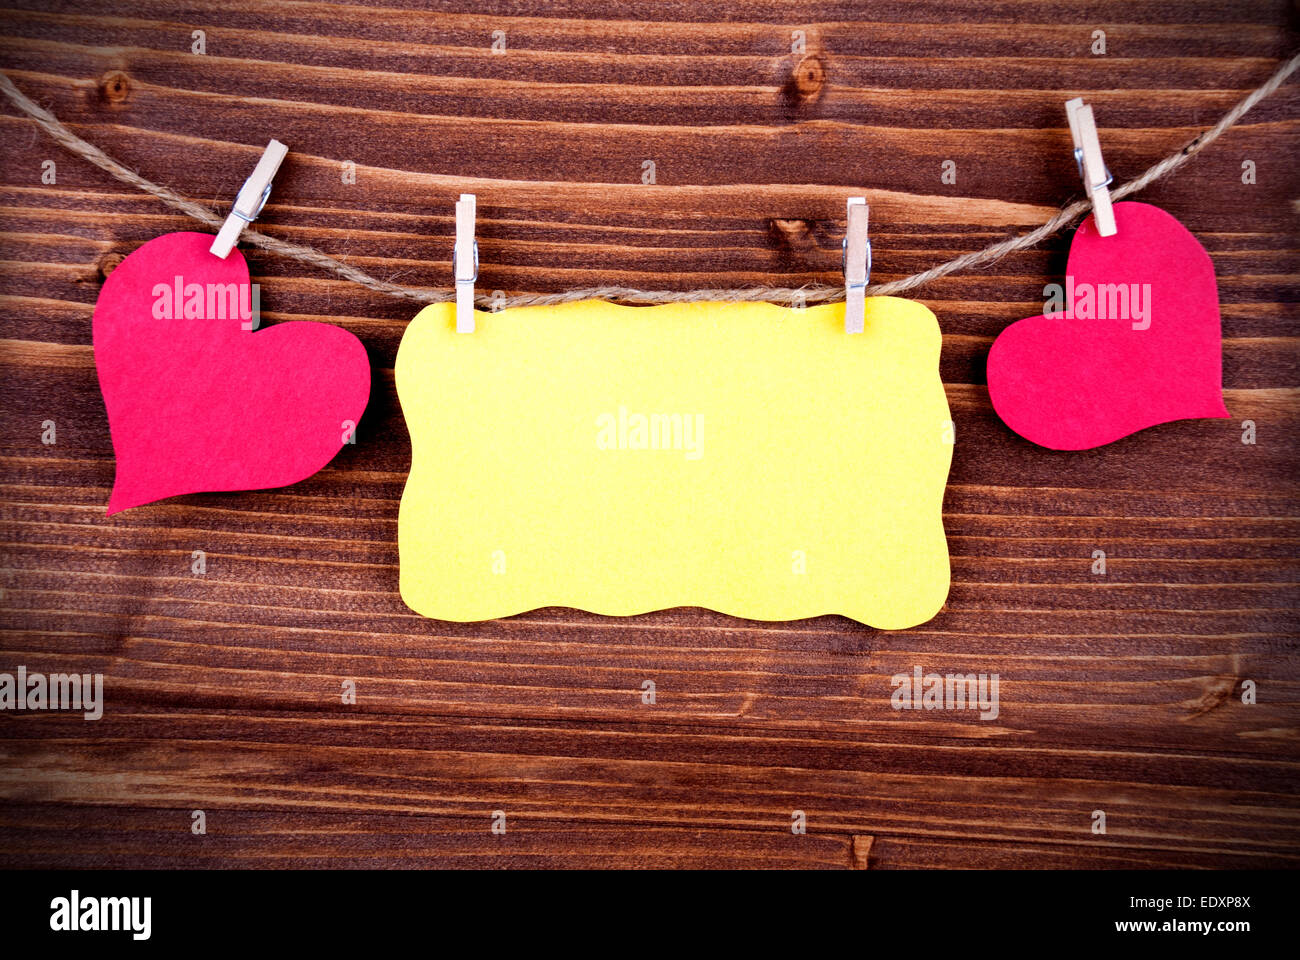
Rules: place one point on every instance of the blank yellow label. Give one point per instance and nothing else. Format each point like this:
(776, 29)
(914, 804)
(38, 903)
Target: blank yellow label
(747, 458)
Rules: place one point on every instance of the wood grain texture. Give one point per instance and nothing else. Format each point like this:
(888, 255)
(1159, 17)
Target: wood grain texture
(1119, 693)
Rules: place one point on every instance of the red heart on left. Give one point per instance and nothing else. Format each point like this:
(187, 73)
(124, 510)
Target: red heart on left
(198, 403)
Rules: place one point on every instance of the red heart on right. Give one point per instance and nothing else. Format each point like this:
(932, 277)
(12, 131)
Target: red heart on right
(1133, 340)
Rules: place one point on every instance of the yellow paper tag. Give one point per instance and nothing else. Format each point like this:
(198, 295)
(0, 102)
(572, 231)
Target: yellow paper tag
(747, 458)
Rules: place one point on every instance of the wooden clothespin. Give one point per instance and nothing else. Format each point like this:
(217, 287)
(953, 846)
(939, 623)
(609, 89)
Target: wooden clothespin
(251, 199)
(1087, 154)
(465, 262)
(857, 266)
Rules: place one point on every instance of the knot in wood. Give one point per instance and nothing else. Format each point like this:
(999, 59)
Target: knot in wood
(809, 75)
(115, 86)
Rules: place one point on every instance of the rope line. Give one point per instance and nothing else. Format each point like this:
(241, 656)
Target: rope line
(812, 293)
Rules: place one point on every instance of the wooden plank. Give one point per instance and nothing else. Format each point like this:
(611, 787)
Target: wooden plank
(41, 836)
(678, 775)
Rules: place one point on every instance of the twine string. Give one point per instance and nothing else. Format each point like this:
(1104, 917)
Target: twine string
(812, 293)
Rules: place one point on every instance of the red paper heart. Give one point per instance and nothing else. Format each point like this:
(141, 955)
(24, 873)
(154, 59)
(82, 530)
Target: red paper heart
(202, 404)
(1070, 383)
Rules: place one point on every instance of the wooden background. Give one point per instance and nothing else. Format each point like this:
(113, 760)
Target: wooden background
(1118, 692)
